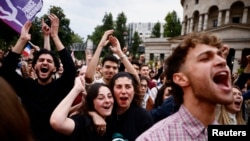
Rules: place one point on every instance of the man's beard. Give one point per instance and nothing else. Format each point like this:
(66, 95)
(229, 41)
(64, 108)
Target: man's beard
(46, 78)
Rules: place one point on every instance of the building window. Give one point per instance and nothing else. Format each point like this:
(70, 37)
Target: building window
(215, 23)
(196, 1)
(151, 56)
(236, 20)
(162, 56)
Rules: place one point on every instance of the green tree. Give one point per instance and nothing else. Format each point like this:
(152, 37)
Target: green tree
(136, 41)
(8, 36)
(121, 28)
(76, 38)
(156, 32)
(36, 32)
(96, 36)
(172, 26)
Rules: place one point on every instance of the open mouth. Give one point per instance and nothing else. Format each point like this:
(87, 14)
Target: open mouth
(221, 78)
(237, 103)
(123, 98)
(107, 107)
(44, 70)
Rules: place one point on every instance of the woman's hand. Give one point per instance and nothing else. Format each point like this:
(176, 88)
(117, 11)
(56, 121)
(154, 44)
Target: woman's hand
(99, 122)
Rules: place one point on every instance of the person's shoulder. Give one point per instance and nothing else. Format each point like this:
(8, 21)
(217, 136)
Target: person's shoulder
(159, 131)
(137, 108)
(140, 112)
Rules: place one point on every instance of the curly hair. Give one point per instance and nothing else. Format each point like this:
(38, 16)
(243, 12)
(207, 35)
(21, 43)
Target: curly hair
(45, 51)
(175, 61)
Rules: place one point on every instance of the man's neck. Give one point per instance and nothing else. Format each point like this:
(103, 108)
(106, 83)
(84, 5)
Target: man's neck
(45, 82)
(202, 111)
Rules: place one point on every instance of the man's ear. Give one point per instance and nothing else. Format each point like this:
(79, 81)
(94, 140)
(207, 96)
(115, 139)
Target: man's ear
(54, 70)
(180, 79)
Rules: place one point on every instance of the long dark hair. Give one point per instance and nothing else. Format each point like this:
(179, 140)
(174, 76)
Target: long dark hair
(92, 93)
(159, 97)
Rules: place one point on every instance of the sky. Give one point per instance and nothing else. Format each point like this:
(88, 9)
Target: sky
(85, 15)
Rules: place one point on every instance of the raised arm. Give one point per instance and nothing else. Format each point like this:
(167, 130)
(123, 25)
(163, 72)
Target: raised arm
(46, 35)
(116, 48)
(90, 72)
(23, 39)
(54, 32)
(59, 119)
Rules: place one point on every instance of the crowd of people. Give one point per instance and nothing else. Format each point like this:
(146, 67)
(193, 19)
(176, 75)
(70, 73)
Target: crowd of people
(51, 97)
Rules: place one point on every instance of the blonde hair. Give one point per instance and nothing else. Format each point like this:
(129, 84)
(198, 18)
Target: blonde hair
(223, 117)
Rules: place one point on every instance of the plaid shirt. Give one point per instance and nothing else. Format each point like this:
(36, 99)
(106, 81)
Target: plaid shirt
(181, 126)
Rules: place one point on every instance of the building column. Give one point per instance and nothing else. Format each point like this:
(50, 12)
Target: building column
(183, 28)
(227, 18)
(200, 23)
(244, 16)
(191, 25)
(205, 22)
(187, 29)
(219, 18)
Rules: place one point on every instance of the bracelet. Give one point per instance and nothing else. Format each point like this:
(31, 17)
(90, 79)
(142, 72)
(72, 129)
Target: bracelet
(123, 56)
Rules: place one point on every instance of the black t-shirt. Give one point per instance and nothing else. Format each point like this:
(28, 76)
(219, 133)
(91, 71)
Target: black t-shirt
(131, 124)
(40, 100)
(84, 130)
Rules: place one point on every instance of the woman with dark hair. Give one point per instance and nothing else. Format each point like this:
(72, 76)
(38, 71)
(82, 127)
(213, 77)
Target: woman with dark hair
(148, 102)
(128, 117)
(80, 126)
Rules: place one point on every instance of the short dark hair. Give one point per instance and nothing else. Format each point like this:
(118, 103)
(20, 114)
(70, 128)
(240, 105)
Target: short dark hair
(143, 65)
(111, 58)
(135, 62)
(45, 51)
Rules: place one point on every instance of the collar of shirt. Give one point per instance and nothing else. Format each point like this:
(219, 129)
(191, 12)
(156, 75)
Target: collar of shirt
(193, 126)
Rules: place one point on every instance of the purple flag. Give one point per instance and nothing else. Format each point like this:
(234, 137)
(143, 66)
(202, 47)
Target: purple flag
(16, 12)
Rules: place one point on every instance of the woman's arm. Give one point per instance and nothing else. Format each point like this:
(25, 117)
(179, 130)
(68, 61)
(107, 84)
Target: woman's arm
(59, 119)
(116, 48)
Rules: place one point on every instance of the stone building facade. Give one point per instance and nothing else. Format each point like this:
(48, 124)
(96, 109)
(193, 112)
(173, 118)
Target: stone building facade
(229, 19)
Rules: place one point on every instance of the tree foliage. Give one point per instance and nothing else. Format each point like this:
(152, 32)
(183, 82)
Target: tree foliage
(156, 32)
(121, 28)
(172, 26)
(8, 36)
(136, 41)
(36, 32)
(100, 29)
